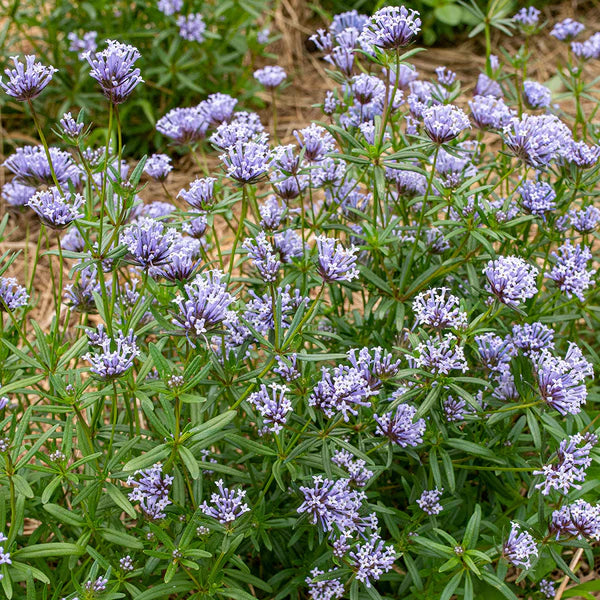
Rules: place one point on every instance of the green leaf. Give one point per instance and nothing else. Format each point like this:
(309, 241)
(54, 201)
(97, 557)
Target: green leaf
(450, 14)
(472, 529)
(51, 549)
(189, 461)
(121, 539)
(64, 516)
(120, 499)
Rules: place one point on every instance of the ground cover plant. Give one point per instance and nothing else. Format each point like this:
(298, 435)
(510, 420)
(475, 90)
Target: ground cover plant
(379, 383)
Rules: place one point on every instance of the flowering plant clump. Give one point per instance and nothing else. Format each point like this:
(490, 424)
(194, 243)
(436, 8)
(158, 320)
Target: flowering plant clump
(357, 365)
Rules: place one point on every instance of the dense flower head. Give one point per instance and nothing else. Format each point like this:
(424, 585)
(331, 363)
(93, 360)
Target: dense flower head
(495, 352)
(263, 255)
(226, 505)
(149, 242)
(443, 122)
(273, 404)
(16, 194)
(196, 227)
(429, 501)
(217, 108)
(390, 28)
(247, 162)
(30, 166)
(445, 76)
(12, 295)
(547, 589)
(536, 95)
(439, 309)
(336, 263)
(589, 49)
(585, 220)
(408, 183)
(182, 261)
(84, 44)
(260, 311)
(537, 139)
(486, 86)
(561, 381)
(581, 155)
(191, 27)
(151, 490)
(490, 112)
(531, 338)
(183, 125)
(520, 547)
(579, 520)
(375, 365)
(316, 142)
(527, 17)
(324, 589)
(205, 304)
(454, 168)
(567, 29)
(372, 559)
(113, 68)
(537, 197)
(169, 7)
(26, 80)
(511, 279)
(271, 76)
(400, 427)
(80, 295)
(440, 355)
(55, 209)
(200, 194)
(569, 468)
(71, 127)
(271, 213)
(116, 354)
(355, 467)
(570, 271)
(158, 166)
(242, 127)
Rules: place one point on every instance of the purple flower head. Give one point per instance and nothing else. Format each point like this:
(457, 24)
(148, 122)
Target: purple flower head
(336, 263)
(489, 112)
(520, 547)
(527, 18)
(273, 405)
(367, 88)
(287, 367)
(247, 162)
(205, 305)
(70, 127)
(16, 194)
(243, 128)
(27, 80)
(324, 589)
(561, 381)
(288, 244)
(495, 352)
(547, 589)
(12, 295)
(150, 242)
(511, 279)
(191, 27)
(346, 20)
(581, 155)
(333, 505)
(400, 426)
(262, 37)
(126, 564)
(263, 255)
(328, 173)
(429, 501)
(444, 122)
(271, 213)
(97, 585)
(568, 470)
(356, 468)
(155, 210)
(530, 338)
(439, 309)
(454, 409)
(80, 295)
(270, 76)
(453, 170)
(567, 30)
(183, 125)
(151, 490)
(579, 520)
(196, 227)
(371, 559)
(200, 194)
(586, 219)
(217, 108)
(183, 260)
(56, 210)
(445, 76)
(390, 28)
(30, 165)
(570, 271)
(590, 49)
(408, 183)
(537, 139)
(323, 40)
(169, 7)
(227, 505)
(158, 166)
(113, 68)
(73, 241)
(537, 197)
(116, 356)
(87, 43)
(486, 86)
(330, 103)
(316, 142)
(536, 95)
(441, 355)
